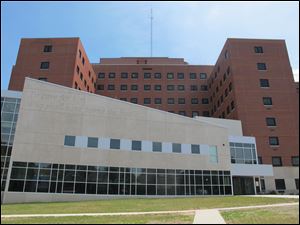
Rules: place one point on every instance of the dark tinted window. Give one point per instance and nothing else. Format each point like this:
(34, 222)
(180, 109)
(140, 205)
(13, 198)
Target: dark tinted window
(204, 100)
(295, 160)
(261, 66)
(124, 75)
(44, 65)
(111, 75)
(147, 75)
(157, 87)
(156, 146)
(264, 83)
(170, 76)
(69, 140)
(115, 143)
(273, 140)
(101, 75)
(271, 121)
(203, 76)
(180, 76)
(176, 148)
(280, 184)
(193, 76)
(136, 145)
(267, 101)
(48, 48)
(147, 100)
(157, 75)
(195, 149)
(258, 49)
(92, 142)
(276, 161)
(157, 101)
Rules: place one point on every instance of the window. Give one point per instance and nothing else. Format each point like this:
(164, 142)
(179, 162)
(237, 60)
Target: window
(297, 184)
(267, 101)
(69, 140)
(157, 87)
(79, 53)
(92, 142)
(134, 75)
(213, 154)
(226, 92)
(276, 161)
(261, 66)
(195, 149)
(264, 83)
(205, 113)
(85, 83)
(193, 76)
(232, 105)
(147, 87)
(170, 87)
(147, 101)
(76, 85)
(180, 87)
(180, 76)
(123, 99)
(101, 75)
(205, 101)
(181, 100)
(258, 49)
(274, 141)
(124, 75)
(170, 76)
(204, 88)
(77, 69)
(43, 78)
(48, 48)
(182, 113)
(203, 76)
(260, 160)
(295, 160)
(136, 145)
(90, 75)
(194, 101)
(123, 87)
(44, 65)
(100, 87)
(171, 101)
(176, 148)
(224, 77)
(147, 75)
(156, 146)
(226, 54)
(230, 87)
(111, 87)
(134, 87)
(271, 122)
(194, 87)
(111, 75)
(228, 109)
(157, 75)
(280, 184)
(134, 100)
(115, 143)
(83, 60)
(195, 113)
(157, 101)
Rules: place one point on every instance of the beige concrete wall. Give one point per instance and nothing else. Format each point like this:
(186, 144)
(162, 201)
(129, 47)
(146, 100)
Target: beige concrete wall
(49, 112)
(234, 126)
(289, 174)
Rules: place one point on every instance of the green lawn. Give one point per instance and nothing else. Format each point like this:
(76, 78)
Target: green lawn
(138, 205)
(135, 219)
(275, 215)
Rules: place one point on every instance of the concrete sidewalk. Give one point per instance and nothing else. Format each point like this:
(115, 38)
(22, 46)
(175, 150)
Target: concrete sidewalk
(272, 196)
(210, 216)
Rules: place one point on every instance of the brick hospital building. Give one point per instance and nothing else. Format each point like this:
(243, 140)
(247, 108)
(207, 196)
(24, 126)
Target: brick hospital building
(251, 83)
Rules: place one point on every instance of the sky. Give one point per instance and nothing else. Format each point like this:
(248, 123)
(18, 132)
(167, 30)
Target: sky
(195, 31)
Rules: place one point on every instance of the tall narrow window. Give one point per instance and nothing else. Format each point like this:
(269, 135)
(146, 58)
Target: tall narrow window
(213, 154)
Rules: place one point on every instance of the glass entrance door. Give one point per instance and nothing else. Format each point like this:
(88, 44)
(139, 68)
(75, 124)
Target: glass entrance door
(243, 186)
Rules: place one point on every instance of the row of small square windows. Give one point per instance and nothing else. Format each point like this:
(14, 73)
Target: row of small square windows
(180, 76)
(147, 87)
(93, 142)
(170, 101)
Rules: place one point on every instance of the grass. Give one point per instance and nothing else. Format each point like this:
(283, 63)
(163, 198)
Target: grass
(133, 219)
(274, 215)
(138, 205)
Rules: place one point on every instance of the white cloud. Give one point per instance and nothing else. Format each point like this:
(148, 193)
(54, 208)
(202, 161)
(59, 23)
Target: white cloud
(296, 74)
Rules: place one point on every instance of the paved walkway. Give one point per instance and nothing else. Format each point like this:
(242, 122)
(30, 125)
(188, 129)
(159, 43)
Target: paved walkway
(209, 216)
(273, 196)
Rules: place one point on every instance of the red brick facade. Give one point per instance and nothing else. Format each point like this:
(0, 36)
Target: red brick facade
(231, 89)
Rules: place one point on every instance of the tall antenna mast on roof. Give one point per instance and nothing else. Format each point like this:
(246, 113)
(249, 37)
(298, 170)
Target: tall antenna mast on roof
(151, 19)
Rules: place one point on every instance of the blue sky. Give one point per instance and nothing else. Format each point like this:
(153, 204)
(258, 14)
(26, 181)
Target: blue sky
(195, 31)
